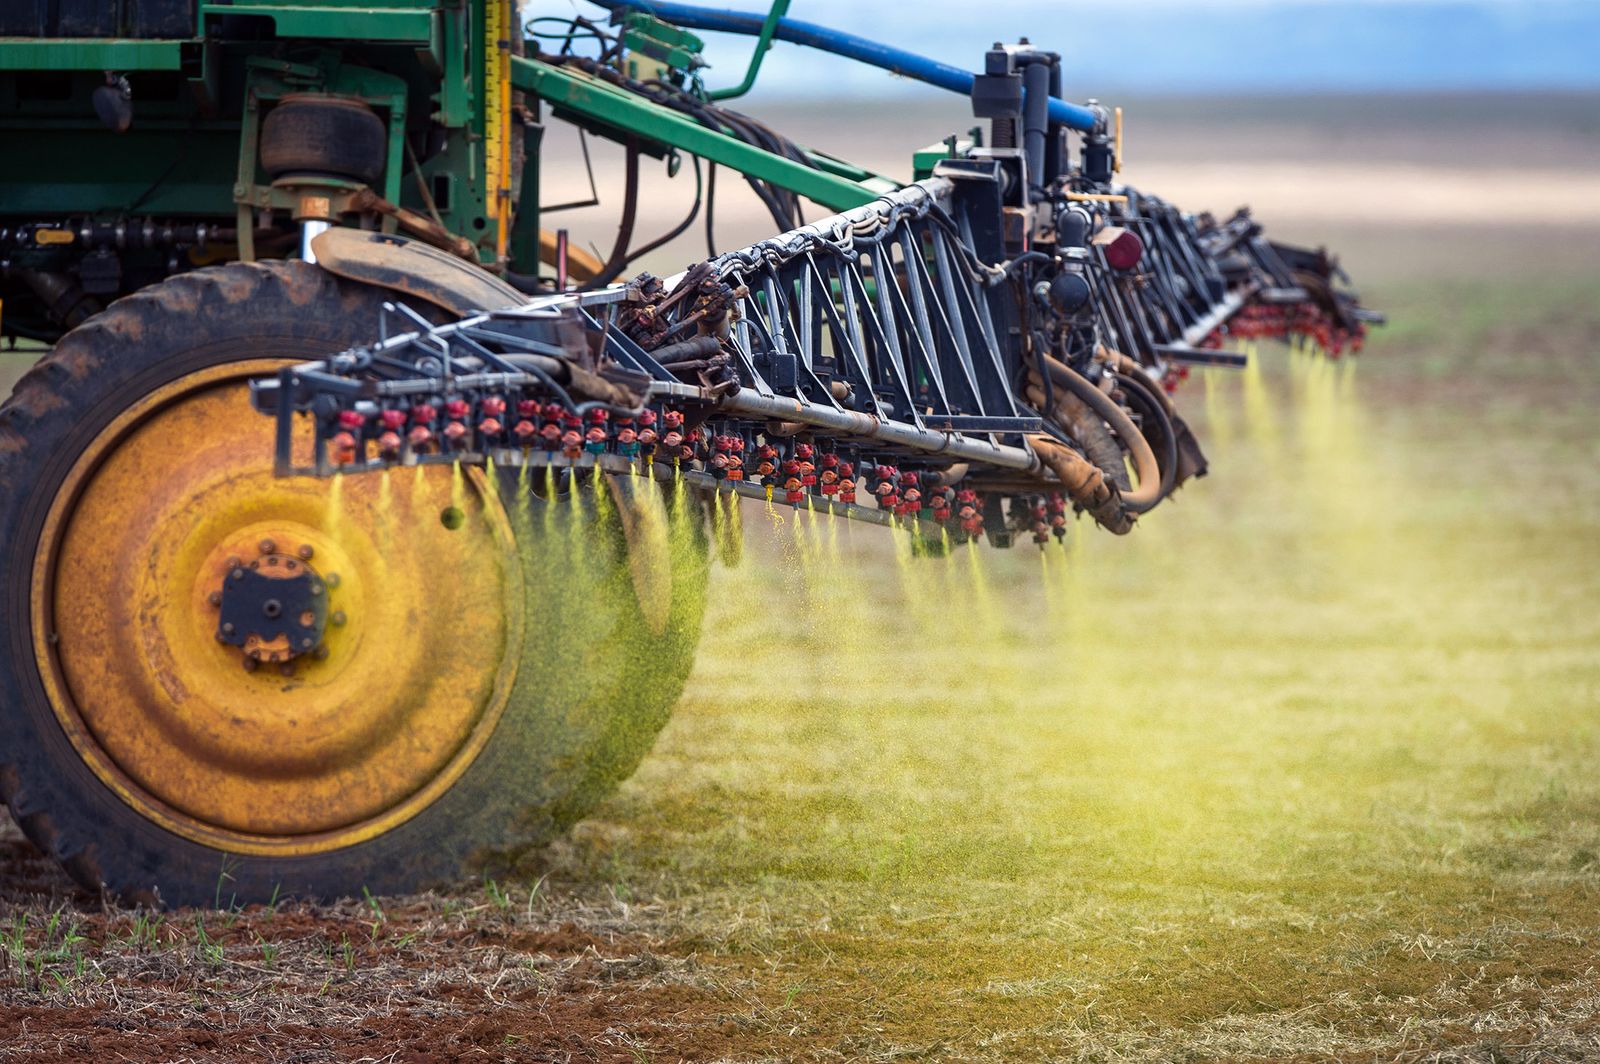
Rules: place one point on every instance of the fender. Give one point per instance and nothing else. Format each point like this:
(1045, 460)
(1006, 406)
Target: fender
(412, 268)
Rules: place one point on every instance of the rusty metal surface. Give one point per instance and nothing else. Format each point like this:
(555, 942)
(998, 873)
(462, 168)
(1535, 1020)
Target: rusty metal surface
(150, 522)
(412, 268)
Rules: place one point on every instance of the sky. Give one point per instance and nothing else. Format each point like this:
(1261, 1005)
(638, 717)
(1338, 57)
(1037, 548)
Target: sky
(1122, 46)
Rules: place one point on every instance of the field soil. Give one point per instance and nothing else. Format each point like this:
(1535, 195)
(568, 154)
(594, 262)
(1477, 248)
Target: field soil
(1301, 770)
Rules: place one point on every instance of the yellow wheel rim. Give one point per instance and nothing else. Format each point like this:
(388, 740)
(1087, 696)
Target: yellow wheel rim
(364, 734)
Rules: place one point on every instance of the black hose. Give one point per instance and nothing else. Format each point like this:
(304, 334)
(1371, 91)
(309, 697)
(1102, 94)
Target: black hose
(1153, 412)
(630, 210)
(681, 227)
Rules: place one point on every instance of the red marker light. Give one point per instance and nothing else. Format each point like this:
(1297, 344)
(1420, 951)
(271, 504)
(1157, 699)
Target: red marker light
(1123, 248)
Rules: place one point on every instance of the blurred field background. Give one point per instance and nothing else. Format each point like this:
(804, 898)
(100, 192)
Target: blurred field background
(1302, 769)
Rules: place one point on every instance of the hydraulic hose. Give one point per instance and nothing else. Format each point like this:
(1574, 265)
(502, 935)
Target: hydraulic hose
(1085, 484)
(810, 35)
(1148, 493)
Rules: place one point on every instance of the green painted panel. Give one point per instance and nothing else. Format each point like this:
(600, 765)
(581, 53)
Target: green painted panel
(409, 24)
(82, 54)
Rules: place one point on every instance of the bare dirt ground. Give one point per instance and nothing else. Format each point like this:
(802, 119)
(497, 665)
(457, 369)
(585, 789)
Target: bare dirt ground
(1302, 770)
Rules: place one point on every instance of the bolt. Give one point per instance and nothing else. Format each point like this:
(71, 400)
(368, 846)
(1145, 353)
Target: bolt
(291, 565)
(321, 653)
(238, 574)
(338, 618)
(332, 579)
(215, 598)
(250, 664)
(305, 552)
(305, 644)
(272, 559)
(227, 628)
(268, 547)
(233, 562)
(316, 589)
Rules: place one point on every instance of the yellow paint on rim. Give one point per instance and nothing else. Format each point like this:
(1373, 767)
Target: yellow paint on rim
(141, 533)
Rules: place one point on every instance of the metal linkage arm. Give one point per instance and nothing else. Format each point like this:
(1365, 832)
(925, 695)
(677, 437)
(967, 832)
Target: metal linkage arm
(627, 112)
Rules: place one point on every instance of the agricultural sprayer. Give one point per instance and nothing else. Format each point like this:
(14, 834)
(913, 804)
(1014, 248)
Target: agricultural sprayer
(330, 425)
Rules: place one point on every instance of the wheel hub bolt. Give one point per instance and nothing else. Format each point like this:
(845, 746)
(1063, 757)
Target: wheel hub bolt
(268, 547)
(306, 552)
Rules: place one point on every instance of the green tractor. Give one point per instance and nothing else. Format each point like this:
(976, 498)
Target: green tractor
(436, 608)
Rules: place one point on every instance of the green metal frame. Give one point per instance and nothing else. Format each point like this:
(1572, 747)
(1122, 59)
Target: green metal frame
(389, 23)
(74, 54)
(631, 114)
(779, 9)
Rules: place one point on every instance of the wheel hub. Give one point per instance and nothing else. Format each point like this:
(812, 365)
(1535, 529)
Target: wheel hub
(141, 634)
(276, 607)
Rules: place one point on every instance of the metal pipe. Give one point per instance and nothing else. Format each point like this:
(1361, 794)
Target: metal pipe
(769, 25)
(851, 423)
(1035, 119)
(862, 50)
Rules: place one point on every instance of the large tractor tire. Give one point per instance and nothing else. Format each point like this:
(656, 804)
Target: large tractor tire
(487, 663)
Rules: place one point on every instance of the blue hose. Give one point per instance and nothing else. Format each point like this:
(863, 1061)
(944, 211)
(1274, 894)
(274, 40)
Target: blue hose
(862, 50)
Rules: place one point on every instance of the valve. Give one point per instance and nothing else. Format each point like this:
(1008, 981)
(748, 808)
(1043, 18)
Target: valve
(847, 483)
(829, 475)
(794, 488)
(421, 435)
(648, 435)
(969, 512)
(805, 454)
(493, 409)
(766, 465)
(910, 495)
(526, 429)
(1058, 516)
(389, 441)
(627, 439)
(571, 435)
(884, 487)
(596, 435)
(455, 431)
(348, 438)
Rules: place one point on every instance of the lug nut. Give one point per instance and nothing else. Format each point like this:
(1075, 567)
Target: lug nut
(305, 644)
(227, 628)
(238, 574)
(316, 589)
(305, 552)
(321, 653)
(268, 547)
(332, 579)
(250, 664)
(215, 598)
(338, 618)
(291, 565)
(233, 562)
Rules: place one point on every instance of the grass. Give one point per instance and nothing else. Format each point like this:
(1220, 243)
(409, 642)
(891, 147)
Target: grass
(1300, 770)
(1302, 766)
